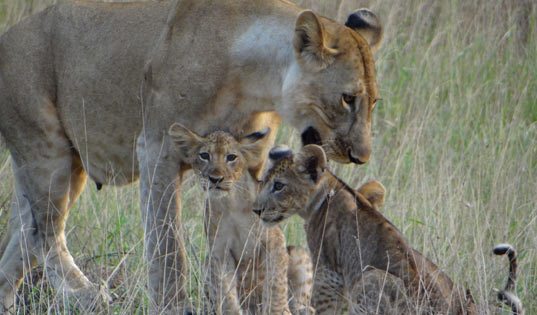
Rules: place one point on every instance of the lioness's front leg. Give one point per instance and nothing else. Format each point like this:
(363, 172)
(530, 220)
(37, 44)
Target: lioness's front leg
(48, 178)
(160, 191)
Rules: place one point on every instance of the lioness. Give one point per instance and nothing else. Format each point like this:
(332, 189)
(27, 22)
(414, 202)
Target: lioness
(357, 251)
(249, 264)
(89, 89)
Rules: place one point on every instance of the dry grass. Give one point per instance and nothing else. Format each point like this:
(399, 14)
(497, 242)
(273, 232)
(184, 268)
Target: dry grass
(455, 145)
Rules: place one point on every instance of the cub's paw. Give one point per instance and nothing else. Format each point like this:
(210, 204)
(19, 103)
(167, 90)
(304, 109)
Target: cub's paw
(305, 310)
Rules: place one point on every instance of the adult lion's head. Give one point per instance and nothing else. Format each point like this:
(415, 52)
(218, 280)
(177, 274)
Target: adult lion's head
(316, 73)
(332, 90)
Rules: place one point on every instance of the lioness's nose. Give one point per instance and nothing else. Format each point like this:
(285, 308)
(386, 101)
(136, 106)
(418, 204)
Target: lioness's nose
(216, 180)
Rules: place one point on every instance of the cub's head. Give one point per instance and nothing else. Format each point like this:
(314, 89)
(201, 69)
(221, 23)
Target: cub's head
(331, 90)
(289, 183)
(218, 159)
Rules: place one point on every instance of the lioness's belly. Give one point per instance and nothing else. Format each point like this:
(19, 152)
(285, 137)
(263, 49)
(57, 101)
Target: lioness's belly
(103, 124)
(108, 157)
(100, 59)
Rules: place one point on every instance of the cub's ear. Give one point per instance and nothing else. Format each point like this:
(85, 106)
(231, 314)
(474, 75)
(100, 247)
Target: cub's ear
(311, 161)
(375, 192)
(367, 24)
(309, 42)
(185, 140)
(252, 146)
(279, 152)
(181, 135)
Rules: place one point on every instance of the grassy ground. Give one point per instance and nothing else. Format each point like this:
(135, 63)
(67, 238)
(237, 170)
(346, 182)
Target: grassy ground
(455, 144)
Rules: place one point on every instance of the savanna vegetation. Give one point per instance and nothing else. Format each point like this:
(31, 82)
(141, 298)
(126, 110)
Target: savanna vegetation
(455, 144)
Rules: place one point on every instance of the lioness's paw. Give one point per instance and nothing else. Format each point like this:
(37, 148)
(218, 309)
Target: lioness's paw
(183, 308)
(94, 298)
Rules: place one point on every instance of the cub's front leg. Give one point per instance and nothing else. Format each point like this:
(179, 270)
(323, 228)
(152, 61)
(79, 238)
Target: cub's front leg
(275, 267)
(378, 291)
(221, 284)
(300, 279)
(328, 292)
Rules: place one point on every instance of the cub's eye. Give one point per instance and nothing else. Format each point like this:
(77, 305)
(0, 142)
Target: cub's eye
(349, 99)
(205, 156)
(231, 157)
(277, 186)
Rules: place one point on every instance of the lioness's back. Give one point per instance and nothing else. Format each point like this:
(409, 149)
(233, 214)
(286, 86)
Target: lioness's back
(86, 60)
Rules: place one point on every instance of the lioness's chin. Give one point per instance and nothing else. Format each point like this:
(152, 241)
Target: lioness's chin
(337, 157)
(312, 136)
(217, 193)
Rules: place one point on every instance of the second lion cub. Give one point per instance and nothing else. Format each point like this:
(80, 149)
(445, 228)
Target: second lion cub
(361, 258)
(250, 267)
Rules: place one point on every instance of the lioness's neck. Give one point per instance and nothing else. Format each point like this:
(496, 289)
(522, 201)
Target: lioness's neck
(264, 58)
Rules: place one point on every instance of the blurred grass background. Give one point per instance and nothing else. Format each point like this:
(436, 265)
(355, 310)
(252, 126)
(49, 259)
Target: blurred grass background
(455, 144)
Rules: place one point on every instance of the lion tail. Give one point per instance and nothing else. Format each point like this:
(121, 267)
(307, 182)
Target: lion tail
(507, 295)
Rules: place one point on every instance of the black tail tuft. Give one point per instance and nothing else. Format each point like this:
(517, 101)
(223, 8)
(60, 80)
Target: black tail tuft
(506, 295)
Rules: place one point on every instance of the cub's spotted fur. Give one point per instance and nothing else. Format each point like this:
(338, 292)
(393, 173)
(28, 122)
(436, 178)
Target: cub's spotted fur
(250, 267)
(361, 258)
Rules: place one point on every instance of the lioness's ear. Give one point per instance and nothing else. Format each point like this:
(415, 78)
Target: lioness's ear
(312, 161)
(184, 139)
(252, 146)
(375, 192)
(309, 42)
(367, 24)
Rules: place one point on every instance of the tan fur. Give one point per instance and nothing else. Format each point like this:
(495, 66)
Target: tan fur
(373, 191)
(102, 82)
(249, 265)
(359, 255)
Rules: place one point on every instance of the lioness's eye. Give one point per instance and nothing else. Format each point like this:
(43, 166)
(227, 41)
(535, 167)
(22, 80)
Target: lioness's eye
(231, 157)
(205, 156)
(349, 99)
(277, 186)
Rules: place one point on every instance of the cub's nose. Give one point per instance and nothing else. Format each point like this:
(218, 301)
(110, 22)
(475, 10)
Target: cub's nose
(257, 211)
(216, 180)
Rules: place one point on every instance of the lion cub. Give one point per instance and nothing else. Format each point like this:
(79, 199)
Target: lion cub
(250, 267)
(362, 259)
